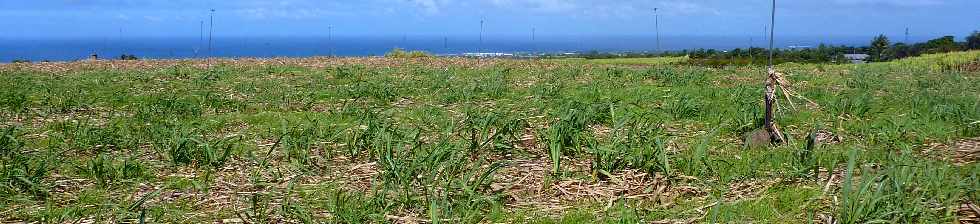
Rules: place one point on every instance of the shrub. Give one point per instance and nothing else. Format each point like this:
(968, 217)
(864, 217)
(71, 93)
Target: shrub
(128, 57)
(399, 53)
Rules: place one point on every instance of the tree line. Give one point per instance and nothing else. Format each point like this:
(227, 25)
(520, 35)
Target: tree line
(880, 49)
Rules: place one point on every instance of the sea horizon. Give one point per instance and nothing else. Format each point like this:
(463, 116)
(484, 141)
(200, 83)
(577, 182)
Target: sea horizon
(182, 47)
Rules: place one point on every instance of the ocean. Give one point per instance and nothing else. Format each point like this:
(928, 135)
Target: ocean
(69, 49)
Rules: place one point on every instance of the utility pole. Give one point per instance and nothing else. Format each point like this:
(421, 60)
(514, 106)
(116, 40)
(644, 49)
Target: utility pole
(765, 33)
(122, 46)
(906, 35)
(330, 40)
(200, 41)
(656, 25)
(481, 34)
(772, 33)
(210, 39)
(534, 31)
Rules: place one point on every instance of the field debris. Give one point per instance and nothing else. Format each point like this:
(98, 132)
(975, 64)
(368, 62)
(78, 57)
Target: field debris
(968, 213)
(961, 152)
(827, 138)
(530, 184)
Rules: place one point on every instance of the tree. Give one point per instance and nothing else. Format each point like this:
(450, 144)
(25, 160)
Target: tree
(901, 50)
(128, 57)
(973, 41)
(941, 45)
(879, 45)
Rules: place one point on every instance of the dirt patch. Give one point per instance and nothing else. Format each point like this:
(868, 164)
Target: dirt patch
(971, 67)
(961, 152)
(827, 138)
(529, 184)
(748, 189)
(354, 176)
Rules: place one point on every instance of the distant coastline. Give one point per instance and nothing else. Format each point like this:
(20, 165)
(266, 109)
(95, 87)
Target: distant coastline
(70, 49)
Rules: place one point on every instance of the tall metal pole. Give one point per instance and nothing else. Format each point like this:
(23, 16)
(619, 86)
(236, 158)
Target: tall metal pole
(330, 39)
(772, 32)
(210, 39)
(765, 32)
(200, 41)
(906, 35)
(122, 46)
(481, 35)
(656, 19)
(534, 39)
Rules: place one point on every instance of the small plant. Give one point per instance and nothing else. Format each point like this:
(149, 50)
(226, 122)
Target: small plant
(685, 107)
(13, 100)
(184, 149)
(107, 171)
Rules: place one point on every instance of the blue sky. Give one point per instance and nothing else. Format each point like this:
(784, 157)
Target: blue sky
(174, 18)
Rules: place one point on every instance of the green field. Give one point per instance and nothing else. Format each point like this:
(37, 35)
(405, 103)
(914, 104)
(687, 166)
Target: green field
(372, 140)
(623, 61)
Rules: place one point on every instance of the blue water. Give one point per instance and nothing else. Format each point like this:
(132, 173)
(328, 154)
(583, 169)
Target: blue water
(68, 49)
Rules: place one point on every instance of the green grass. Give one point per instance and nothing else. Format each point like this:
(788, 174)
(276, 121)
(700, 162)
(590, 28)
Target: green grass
(439, 141)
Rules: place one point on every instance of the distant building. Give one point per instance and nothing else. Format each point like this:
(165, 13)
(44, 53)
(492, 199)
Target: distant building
(856, 58)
